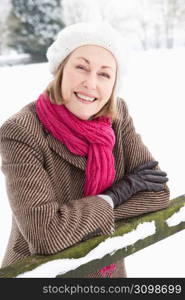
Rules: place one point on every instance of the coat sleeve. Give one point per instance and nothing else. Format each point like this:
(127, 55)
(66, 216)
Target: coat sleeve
(46, 226)
(136, 153)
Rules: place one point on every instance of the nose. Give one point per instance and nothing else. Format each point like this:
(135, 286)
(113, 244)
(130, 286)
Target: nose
(90, 81)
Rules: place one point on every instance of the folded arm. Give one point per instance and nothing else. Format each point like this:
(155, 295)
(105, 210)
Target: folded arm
(136, 153)
(46, 225)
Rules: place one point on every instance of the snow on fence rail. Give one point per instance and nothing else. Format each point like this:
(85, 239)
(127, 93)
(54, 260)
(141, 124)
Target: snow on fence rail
(130, 236)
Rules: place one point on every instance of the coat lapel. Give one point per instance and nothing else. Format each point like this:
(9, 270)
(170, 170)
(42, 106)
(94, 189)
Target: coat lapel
(80, 161)
(118, 152)
(76, 160)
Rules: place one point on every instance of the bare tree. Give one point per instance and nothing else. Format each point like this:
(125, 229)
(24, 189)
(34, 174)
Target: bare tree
(172, 10)
(159, 22)
(169, 19)
(150, 24)
(74, 11)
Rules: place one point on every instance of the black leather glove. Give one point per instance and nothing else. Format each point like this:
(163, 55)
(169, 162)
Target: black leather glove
(142, 178)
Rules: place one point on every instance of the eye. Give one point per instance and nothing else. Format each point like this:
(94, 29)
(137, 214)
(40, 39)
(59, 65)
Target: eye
(80, 67)
(105, 75)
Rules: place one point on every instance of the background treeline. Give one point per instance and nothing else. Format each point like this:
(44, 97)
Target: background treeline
(29, 26)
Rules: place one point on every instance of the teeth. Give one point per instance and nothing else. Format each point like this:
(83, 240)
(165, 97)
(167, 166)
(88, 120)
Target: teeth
(85, 97)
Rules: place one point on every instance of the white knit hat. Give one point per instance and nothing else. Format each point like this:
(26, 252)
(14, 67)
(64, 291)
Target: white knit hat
(89, 33)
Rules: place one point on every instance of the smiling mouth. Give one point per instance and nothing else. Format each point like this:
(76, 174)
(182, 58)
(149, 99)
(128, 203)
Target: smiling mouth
(83, 100)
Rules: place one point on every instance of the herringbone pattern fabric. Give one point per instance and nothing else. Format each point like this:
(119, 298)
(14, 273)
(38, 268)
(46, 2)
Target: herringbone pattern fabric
(44, 183)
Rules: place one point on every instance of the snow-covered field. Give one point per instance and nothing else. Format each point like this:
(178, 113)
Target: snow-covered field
(155, 93)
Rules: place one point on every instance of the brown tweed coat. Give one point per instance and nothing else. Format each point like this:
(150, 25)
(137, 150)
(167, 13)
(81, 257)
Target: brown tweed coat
(44, 183)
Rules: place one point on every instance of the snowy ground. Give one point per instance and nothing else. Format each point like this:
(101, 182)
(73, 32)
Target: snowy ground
(155, 92)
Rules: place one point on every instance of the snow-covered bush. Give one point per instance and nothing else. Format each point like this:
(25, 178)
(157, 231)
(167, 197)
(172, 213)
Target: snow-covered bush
(34, 24)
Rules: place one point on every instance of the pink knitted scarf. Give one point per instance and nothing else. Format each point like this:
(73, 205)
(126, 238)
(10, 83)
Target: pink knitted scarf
(92, 138)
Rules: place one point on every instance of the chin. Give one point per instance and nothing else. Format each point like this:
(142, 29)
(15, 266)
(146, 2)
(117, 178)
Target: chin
(84, 118)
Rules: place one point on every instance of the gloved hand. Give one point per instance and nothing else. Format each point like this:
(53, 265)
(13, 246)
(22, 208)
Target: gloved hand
(142, 178)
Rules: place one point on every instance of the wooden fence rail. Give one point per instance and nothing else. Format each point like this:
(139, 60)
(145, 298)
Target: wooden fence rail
(81, 259)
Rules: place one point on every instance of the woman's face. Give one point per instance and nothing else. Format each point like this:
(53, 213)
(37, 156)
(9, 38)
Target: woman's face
(88, 80)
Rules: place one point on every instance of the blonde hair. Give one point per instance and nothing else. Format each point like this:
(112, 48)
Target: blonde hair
(54, 92)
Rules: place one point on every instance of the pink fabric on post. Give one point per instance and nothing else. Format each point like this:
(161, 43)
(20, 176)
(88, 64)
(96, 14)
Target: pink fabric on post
(108, 270)
(92, 138)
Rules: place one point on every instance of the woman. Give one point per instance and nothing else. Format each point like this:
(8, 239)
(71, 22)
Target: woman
(73, 161)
